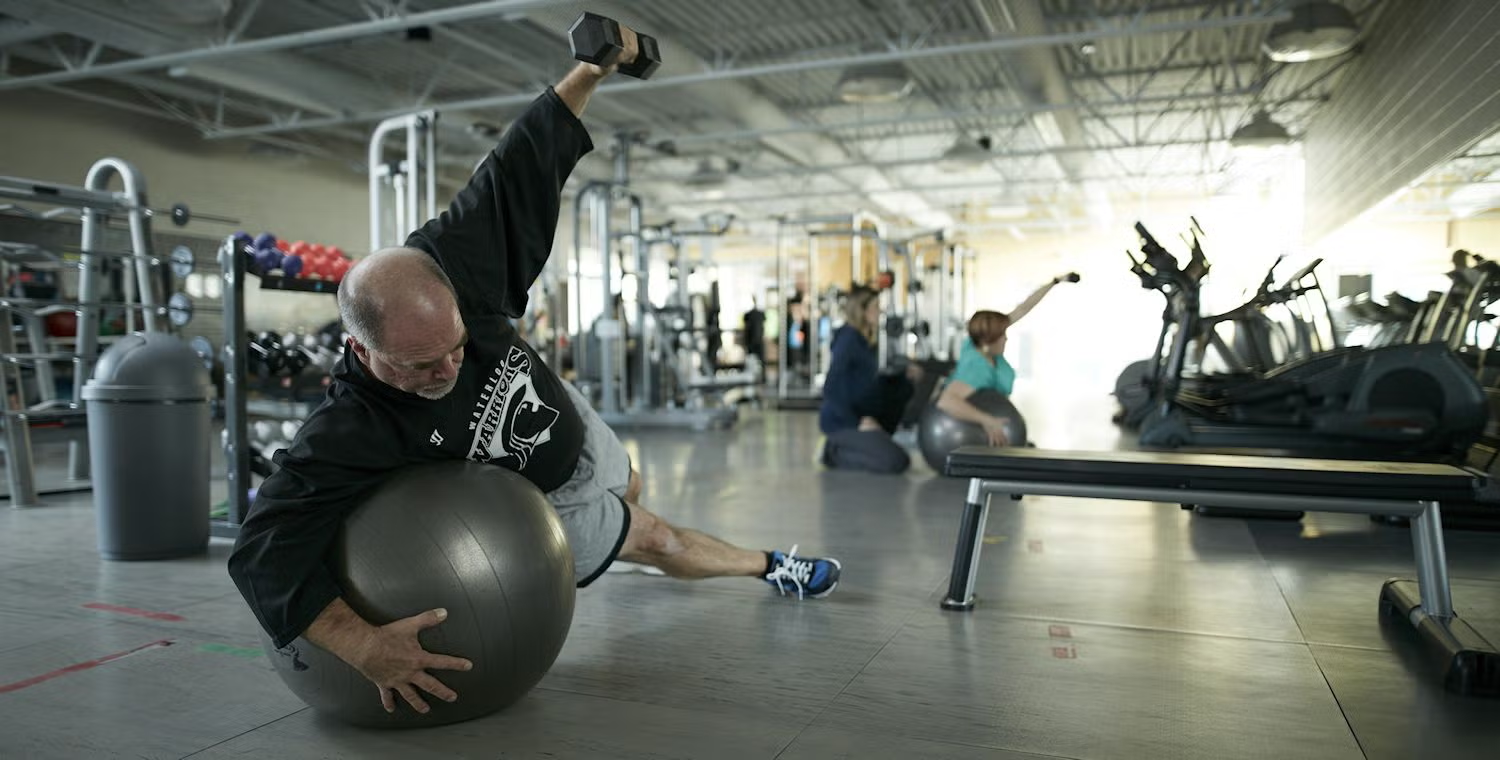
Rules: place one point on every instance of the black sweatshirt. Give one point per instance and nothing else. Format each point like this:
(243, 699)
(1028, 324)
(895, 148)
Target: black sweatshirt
(508, 408)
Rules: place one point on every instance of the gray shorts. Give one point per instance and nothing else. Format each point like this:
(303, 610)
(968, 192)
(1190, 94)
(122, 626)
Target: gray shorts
(591, 504)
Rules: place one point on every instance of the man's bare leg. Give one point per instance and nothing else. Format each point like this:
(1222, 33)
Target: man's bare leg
(685, 553)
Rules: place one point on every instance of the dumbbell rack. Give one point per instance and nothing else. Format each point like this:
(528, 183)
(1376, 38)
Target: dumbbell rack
(236, 372)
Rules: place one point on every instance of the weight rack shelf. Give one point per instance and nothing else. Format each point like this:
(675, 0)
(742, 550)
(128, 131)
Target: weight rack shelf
(236, 376)
(298, 284)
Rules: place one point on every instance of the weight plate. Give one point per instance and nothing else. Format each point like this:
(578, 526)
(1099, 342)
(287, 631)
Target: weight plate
(205, 350)
(182, 261)
(180, 309)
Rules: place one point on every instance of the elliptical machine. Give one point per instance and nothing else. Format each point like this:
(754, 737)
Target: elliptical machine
(1400, 402)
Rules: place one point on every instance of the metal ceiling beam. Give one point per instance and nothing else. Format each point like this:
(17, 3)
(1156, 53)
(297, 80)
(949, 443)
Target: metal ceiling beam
(171, 89)
(791, 67)
(102, 100)
(1147, 8)
(991, 113)
(1078, 71)
(930, 160)
(281, 42)
(990, 185)
(288, 78)
(14, 31)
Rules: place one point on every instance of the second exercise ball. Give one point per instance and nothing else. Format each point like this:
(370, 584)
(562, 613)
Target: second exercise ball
(939, 433)
(477, 540)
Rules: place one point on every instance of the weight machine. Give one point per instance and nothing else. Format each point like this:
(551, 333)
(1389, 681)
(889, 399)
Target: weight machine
(687, 326)
(407, 186)
(626, 398)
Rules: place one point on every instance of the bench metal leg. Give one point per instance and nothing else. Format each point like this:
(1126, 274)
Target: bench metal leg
(1432, 561)
(966, 554)
(1469, 663)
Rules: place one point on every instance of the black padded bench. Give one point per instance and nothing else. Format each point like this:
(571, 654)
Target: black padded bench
(1470, 664)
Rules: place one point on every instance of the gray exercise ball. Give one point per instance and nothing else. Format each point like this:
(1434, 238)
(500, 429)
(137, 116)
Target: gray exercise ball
(939, 433)
(476, 539)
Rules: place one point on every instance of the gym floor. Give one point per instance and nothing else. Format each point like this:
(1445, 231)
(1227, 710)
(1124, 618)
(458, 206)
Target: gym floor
(1105, 630)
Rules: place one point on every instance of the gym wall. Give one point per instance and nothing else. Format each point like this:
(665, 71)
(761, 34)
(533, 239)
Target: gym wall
(57, 139)
(1421, 90)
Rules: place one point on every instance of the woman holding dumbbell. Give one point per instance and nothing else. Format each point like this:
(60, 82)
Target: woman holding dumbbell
(982, 364)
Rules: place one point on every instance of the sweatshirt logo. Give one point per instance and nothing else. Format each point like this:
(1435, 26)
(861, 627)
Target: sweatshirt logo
(510, 420)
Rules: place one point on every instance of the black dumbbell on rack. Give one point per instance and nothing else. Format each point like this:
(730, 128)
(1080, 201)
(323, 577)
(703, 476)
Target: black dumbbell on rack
(599, 40)
(263, 356)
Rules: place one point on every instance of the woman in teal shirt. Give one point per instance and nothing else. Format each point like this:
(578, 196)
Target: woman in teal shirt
(982, 365)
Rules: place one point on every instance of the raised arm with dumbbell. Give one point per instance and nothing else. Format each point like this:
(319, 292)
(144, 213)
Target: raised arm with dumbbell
(605, 46)
(1037, 296)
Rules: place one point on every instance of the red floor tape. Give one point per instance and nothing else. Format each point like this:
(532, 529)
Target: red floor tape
(18, 685)
(134, 611)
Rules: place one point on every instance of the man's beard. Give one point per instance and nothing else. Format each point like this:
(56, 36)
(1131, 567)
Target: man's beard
(438, 391)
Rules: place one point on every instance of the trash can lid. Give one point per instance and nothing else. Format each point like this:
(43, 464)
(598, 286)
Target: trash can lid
(149, 367)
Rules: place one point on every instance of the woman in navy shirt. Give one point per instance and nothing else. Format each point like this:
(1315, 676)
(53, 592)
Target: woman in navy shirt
(861, 406)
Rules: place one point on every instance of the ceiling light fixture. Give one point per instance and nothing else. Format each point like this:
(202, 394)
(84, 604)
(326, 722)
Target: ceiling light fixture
(874, 83)
(1261, 132)
(1318, 29)
(965, 155)
(706, 175)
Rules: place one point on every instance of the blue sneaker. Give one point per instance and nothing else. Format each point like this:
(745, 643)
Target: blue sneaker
(809, 577)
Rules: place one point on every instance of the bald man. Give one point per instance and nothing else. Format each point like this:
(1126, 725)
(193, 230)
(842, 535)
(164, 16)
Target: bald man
(434, 371)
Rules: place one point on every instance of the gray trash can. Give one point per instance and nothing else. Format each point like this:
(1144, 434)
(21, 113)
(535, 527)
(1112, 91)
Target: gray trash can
(148, 417)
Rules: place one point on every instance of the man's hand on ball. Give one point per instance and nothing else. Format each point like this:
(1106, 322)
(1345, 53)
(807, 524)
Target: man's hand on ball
(394, 660)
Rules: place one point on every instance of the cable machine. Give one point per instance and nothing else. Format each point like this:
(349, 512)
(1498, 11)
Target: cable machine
(630, 396)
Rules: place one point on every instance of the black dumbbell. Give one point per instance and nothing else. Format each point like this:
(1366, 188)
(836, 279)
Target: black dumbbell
(294, 361)
(268, 346)
(598, 40)
(647, 58)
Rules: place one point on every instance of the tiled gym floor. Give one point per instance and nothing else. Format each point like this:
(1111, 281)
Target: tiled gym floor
(1106, 630)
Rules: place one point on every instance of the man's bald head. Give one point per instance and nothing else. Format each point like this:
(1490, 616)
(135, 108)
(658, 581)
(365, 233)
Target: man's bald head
(393, 285)
(401, 310)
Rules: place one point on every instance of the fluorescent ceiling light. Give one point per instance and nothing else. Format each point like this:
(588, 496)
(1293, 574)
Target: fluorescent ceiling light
(1317, 29)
